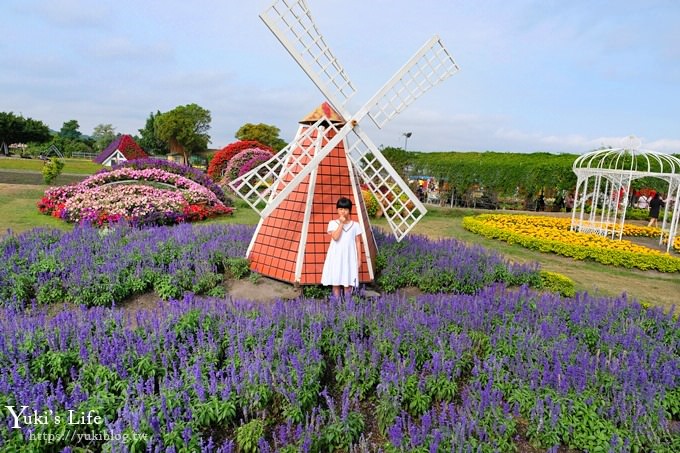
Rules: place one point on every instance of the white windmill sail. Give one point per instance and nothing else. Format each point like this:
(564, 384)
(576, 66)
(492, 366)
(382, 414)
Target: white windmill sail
(430, 65)
(265, 182)
(401, 207)
(292, 24)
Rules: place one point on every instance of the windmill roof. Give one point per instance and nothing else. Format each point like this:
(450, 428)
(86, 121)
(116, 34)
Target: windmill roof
(126, 145)
(323, 111)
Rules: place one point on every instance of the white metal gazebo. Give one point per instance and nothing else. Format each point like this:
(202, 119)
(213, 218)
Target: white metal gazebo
(603, 185)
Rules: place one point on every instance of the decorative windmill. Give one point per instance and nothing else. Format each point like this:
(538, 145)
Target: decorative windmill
(295, 192)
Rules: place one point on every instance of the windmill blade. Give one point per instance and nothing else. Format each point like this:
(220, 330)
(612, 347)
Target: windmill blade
(256, 186)
(271, 180)
(400, 205)
(291, 22)
(430, 65)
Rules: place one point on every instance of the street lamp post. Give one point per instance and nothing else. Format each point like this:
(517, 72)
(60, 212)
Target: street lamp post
(406, 135)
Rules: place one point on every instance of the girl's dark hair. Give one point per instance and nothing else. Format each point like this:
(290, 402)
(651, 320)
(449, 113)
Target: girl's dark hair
(345, 203)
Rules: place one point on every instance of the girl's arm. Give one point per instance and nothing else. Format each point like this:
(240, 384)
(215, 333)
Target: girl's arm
(335, 235)
(358, 244)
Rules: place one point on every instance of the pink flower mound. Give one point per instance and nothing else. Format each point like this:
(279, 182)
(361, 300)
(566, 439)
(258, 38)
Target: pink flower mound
(196, 192)
(143, 196)
(243, 162)
(123, 201)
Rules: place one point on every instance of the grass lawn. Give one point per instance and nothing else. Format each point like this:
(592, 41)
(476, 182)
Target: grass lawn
(657, 288)
(79, 166)
(19, 210)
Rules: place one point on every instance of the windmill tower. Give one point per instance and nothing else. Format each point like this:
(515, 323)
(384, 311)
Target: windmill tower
(295, 191)
(290, 244)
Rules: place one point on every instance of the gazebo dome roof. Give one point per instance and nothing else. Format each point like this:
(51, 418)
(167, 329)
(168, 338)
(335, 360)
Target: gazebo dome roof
(628, 159)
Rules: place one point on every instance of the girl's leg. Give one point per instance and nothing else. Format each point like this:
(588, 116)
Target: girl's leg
(348, 291)
(336, 291)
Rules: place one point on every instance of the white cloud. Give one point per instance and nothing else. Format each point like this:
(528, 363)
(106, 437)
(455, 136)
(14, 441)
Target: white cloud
(664, 145)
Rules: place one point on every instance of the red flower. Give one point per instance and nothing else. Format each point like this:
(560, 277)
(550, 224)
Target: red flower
(220, 160)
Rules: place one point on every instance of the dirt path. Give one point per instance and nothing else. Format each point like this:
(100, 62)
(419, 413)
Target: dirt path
(264, 290)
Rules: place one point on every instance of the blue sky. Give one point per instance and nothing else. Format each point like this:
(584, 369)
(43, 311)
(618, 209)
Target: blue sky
(555, 76)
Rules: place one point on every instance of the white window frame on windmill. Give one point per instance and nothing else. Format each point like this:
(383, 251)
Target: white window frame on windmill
(291, 22)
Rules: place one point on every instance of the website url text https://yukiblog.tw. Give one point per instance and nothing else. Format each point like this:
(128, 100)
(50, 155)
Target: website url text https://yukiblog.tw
(23, 416)
(75, 437)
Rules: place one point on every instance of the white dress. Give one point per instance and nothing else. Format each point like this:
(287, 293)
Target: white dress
(341, 267)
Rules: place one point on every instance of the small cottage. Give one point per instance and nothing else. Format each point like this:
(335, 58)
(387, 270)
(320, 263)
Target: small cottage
(121, 149)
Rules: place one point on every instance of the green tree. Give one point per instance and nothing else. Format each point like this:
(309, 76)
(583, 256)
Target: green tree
(69, 146)
(263, 133)
(17, 129)
(499, 174)
(185, 129)
(103, 134)
(70, 130)
(402, 161)
(148, 140)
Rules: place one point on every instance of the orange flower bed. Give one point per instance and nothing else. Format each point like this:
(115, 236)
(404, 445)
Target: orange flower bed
(553, 234)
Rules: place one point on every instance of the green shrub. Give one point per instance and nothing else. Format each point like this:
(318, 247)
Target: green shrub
(557, 283)
(52, 169)
(316, 291)
(637, 214)
(238, 267)
(248, 435)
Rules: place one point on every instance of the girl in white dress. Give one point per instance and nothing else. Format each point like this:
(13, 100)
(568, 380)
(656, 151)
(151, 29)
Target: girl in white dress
(343, 260)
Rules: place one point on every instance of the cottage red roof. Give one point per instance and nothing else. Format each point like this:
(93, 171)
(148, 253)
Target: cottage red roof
(127, 146)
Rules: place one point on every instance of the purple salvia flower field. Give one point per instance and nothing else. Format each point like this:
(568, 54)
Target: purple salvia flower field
(458, 372)
(487, 367)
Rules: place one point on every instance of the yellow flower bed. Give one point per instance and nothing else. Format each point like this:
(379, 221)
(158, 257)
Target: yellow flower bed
(552, 234)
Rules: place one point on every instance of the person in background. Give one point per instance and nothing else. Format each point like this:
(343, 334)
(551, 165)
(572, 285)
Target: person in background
(655, 205)
(643, 202)
(540, 203)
